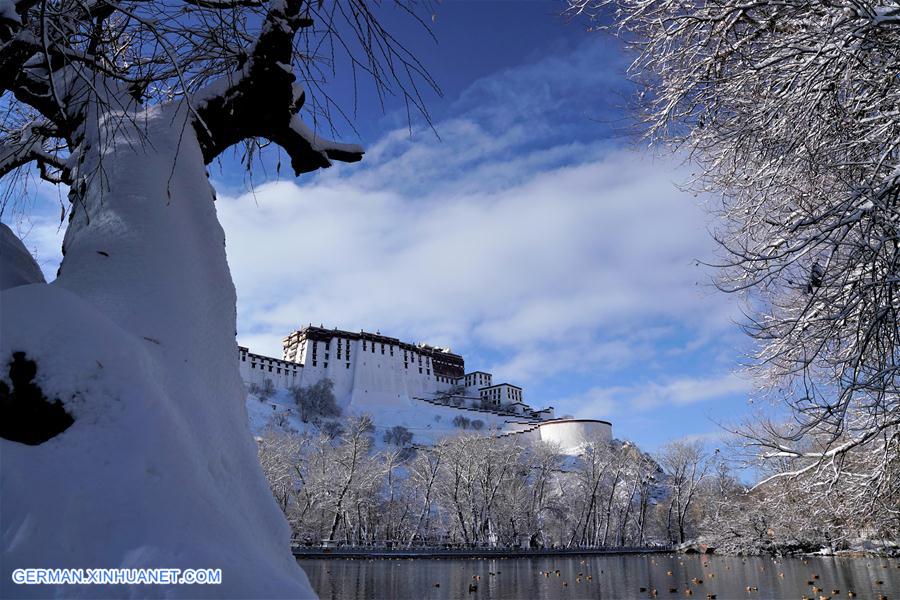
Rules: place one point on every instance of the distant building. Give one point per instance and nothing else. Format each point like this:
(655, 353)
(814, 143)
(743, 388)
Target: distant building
(368, 366)
(255, 369)
(475, 381)
(365, 366)
(502, 394)
(378, 371)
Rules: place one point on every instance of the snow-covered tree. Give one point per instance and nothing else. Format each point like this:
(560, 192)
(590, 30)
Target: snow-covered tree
(351, 458)
(420, 491)
(461, 422)
(788, 110)
(316, 401)
(78, 75)
(685, 466)
(471, 489)
(398, 435)
(590, 475)
(278, 456)
(264, 390)
(331, 428)
(127, 103)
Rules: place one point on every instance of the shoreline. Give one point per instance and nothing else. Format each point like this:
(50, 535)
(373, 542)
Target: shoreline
(438, 553)
(301, 553)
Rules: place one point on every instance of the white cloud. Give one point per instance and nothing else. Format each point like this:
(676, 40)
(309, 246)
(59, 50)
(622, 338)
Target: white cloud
(653, 395)
(573, 260)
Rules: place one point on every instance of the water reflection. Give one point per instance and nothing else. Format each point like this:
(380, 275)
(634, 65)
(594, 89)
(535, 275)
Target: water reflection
(634, 576)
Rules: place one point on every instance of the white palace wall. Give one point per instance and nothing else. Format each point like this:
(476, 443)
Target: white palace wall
(371, 376)
(570, 434)
(363, 372)
(255, 369)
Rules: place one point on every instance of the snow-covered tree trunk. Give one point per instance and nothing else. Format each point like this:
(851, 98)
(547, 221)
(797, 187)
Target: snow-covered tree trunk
(125, 441)
(136, 337)
(144, 245)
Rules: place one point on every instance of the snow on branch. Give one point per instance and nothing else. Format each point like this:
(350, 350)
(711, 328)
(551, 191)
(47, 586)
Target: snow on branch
(262, 100)
(236, 63)
(309, 151)
(788, 111)
(28, 145)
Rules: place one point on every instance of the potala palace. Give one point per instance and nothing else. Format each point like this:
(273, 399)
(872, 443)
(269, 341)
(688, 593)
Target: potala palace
(419, 386)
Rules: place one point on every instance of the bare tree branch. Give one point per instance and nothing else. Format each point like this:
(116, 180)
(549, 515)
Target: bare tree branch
(28, 145)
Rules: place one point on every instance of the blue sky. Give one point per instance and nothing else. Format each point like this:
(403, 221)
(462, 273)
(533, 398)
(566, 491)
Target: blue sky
(531, 236)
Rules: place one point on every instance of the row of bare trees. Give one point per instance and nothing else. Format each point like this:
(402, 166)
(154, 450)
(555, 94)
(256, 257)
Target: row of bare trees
(477, 490)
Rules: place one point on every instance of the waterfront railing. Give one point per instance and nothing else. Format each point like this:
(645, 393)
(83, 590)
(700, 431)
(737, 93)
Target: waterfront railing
(456, 551)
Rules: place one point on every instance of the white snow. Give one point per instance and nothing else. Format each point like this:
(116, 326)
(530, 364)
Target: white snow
(17, 266)
(136, 338)
(320, 143)
(427, 422)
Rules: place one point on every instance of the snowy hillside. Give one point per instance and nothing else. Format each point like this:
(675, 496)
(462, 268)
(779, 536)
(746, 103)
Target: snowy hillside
(426, 421)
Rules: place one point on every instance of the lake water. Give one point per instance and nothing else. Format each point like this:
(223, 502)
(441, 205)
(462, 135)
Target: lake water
(605, 577)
